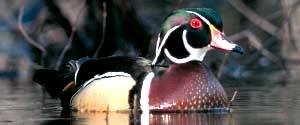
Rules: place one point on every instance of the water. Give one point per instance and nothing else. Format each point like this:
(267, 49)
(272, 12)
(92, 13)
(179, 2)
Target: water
(257, 103)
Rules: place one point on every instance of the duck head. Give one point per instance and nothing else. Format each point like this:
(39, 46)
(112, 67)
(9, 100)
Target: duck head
(187, 34)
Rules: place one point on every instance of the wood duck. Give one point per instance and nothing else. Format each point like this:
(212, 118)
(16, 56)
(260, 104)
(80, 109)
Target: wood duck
(120, 83)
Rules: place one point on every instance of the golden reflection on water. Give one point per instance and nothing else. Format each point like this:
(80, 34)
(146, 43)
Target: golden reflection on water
(101, 118)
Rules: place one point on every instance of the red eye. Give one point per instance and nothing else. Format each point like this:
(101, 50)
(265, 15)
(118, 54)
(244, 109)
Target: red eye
(195, 23)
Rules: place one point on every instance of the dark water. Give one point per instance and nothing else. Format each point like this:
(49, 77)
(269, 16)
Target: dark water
(256, 104)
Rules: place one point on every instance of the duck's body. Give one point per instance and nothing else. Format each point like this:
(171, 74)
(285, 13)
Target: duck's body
(93, 84)
(112, 83)
(114, 80)
(124, 83)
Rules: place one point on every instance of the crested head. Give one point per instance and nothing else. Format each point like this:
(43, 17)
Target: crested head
(187, 34)
(183, 16)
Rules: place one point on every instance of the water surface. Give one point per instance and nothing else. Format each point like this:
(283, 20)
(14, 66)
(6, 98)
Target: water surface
(257, 103)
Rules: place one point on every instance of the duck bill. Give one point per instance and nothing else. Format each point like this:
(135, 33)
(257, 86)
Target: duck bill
(221, 42)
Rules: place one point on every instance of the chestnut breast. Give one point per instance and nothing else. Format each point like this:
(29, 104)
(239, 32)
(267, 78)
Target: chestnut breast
(187, 87)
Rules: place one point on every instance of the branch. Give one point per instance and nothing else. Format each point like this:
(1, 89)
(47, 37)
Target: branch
(25, 35)
(294, 7)
(233, 98)
(285, 34)
(256, 43)
(220, 71)
(107, 115)
(69, 42)
(104, 15)
(292, 29)
(59, 17)
(27, 38)
(253, 17)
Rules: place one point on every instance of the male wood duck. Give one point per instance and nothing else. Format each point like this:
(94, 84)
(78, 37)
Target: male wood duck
(121, 83)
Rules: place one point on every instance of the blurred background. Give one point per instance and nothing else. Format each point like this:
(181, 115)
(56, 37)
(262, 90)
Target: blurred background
(48, 33)
(38, 34)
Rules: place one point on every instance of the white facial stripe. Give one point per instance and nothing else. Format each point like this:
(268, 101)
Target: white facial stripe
(189, 48)
(157, 44)
(76, 72)
(196, 54)
(162, 43)
(200, 16)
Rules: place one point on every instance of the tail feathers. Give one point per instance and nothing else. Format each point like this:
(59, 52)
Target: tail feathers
(53, 81)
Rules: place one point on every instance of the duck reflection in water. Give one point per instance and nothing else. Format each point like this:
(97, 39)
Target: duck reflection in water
(114, 118)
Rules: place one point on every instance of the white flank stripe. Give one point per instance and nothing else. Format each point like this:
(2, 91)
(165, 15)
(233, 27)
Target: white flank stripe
(144, 101)
(108, 74)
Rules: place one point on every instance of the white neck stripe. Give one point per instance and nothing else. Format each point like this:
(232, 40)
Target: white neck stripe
(159, 47)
